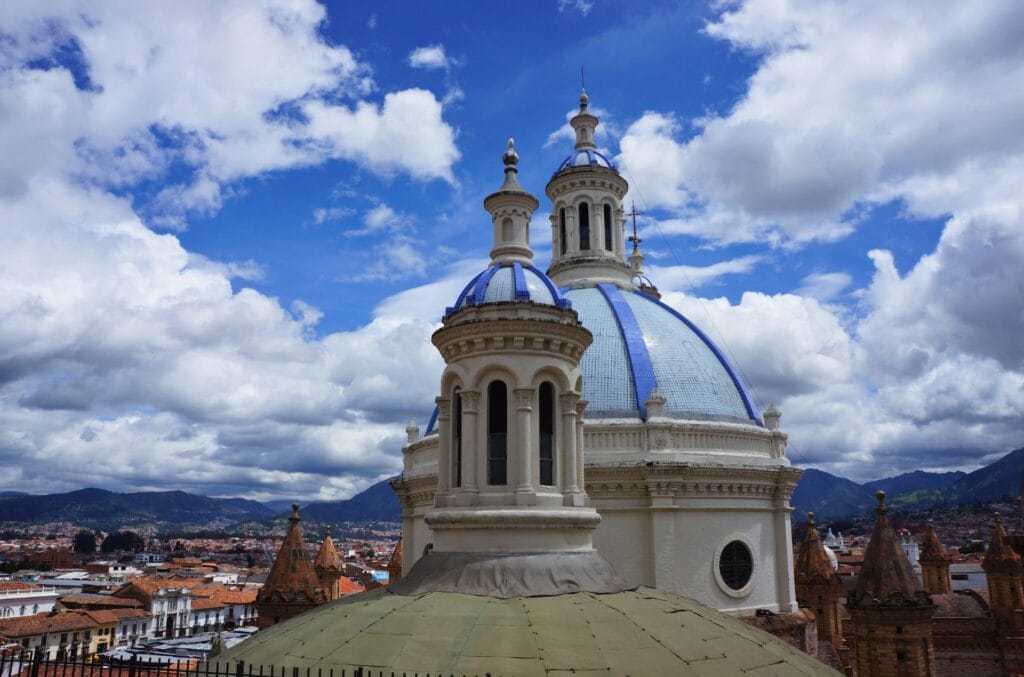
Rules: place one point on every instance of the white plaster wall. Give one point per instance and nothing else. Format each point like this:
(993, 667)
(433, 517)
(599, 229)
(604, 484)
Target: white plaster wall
(626, 533)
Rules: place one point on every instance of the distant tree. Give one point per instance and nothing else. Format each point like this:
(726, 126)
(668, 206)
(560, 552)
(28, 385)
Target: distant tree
(85, 541)
(123, 540)
(179, 547)
(972, 548)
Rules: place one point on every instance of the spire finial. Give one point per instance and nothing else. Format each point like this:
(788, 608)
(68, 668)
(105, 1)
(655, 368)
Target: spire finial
(584, 99)
(327, 531)
(295, 513)
(810, 519)
(880, 496)
(511, 157)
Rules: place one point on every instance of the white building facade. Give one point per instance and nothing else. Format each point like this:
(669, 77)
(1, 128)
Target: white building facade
(691, 482)
(27, 600)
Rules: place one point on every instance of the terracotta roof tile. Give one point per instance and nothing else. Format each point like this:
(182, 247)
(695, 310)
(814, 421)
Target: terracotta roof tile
(17, 586)
(107, 616)
(89, 599)
(346, 586)
(25, 626)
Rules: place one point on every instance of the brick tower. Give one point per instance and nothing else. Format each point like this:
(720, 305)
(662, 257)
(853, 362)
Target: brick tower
(934, 565)
(328, 568)
(292, 586)
(891, 612)
(818, 586)
(1004, 570)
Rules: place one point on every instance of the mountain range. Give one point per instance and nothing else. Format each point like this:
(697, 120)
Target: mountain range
(831, 497)
(178, 510)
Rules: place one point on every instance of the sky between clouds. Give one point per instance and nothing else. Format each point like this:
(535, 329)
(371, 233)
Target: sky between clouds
(227, 230)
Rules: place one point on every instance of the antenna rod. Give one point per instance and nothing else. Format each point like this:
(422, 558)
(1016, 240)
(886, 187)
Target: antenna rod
(583, 80)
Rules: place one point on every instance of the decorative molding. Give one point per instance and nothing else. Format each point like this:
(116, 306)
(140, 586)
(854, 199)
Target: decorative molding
(512, 335)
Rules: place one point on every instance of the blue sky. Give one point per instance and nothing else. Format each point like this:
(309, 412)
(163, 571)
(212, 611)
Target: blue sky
(227, 230)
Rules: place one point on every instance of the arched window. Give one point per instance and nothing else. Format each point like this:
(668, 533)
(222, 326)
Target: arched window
(547, 434)
(456, 438)
(506, 230)
(584, 211)
(608, 227)
(561, 229)
(497, 433)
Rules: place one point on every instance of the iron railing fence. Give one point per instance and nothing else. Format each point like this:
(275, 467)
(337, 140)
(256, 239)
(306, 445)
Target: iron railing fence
(28, 665)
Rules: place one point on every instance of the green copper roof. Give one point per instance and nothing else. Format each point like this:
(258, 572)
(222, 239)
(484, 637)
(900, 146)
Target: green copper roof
(639, 632)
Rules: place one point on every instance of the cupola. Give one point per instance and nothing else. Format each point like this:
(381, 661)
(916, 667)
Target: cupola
(587, 220)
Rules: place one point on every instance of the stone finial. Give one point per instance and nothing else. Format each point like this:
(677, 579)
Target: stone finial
(511, 157)
(880, 497)
(655, 404)
(810, 520)
(772, 416)
(295, 513)
(412, 432)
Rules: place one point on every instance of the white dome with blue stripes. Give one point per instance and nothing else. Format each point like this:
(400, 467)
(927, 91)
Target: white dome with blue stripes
(508, 283)
(641, 344)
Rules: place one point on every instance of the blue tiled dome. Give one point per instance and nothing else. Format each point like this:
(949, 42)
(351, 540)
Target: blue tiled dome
(584, 158)
(641, 344)
(508, 282)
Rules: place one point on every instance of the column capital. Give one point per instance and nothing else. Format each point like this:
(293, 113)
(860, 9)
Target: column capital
(470, 400)
(524, 398)
(569, 402)
(444, 407)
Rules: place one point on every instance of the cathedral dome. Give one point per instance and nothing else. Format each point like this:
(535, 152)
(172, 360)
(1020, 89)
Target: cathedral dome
(641, 345)
(509, 282)
(586, 158)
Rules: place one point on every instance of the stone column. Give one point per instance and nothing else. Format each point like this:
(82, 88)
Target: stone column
(580, 449)
(526, 494)
(444, 451)
(569, 452)
(572, 245)
(784, 583)
(597, 218)
(470, 447)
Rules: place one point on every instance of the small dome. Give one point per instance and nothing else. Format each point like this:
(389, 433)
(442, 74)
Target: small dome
(586, 158)
(508, 283)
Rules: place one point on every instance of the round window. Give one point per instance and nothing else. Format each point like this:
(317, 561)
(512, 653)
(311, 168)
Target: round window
(735, 565)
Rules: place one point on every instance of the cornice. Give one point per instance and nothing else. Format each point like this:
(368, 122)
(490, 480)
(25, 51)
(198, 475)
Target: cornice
(521, 335)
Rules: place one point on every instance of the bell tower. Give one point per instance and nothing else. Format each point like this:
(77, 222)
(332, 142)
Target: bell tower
(587, 218)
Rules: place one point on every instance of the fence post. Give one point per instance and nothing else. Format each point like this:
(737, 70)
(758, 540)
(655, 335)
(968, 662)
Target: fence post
(36, 660)
(240, 669)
